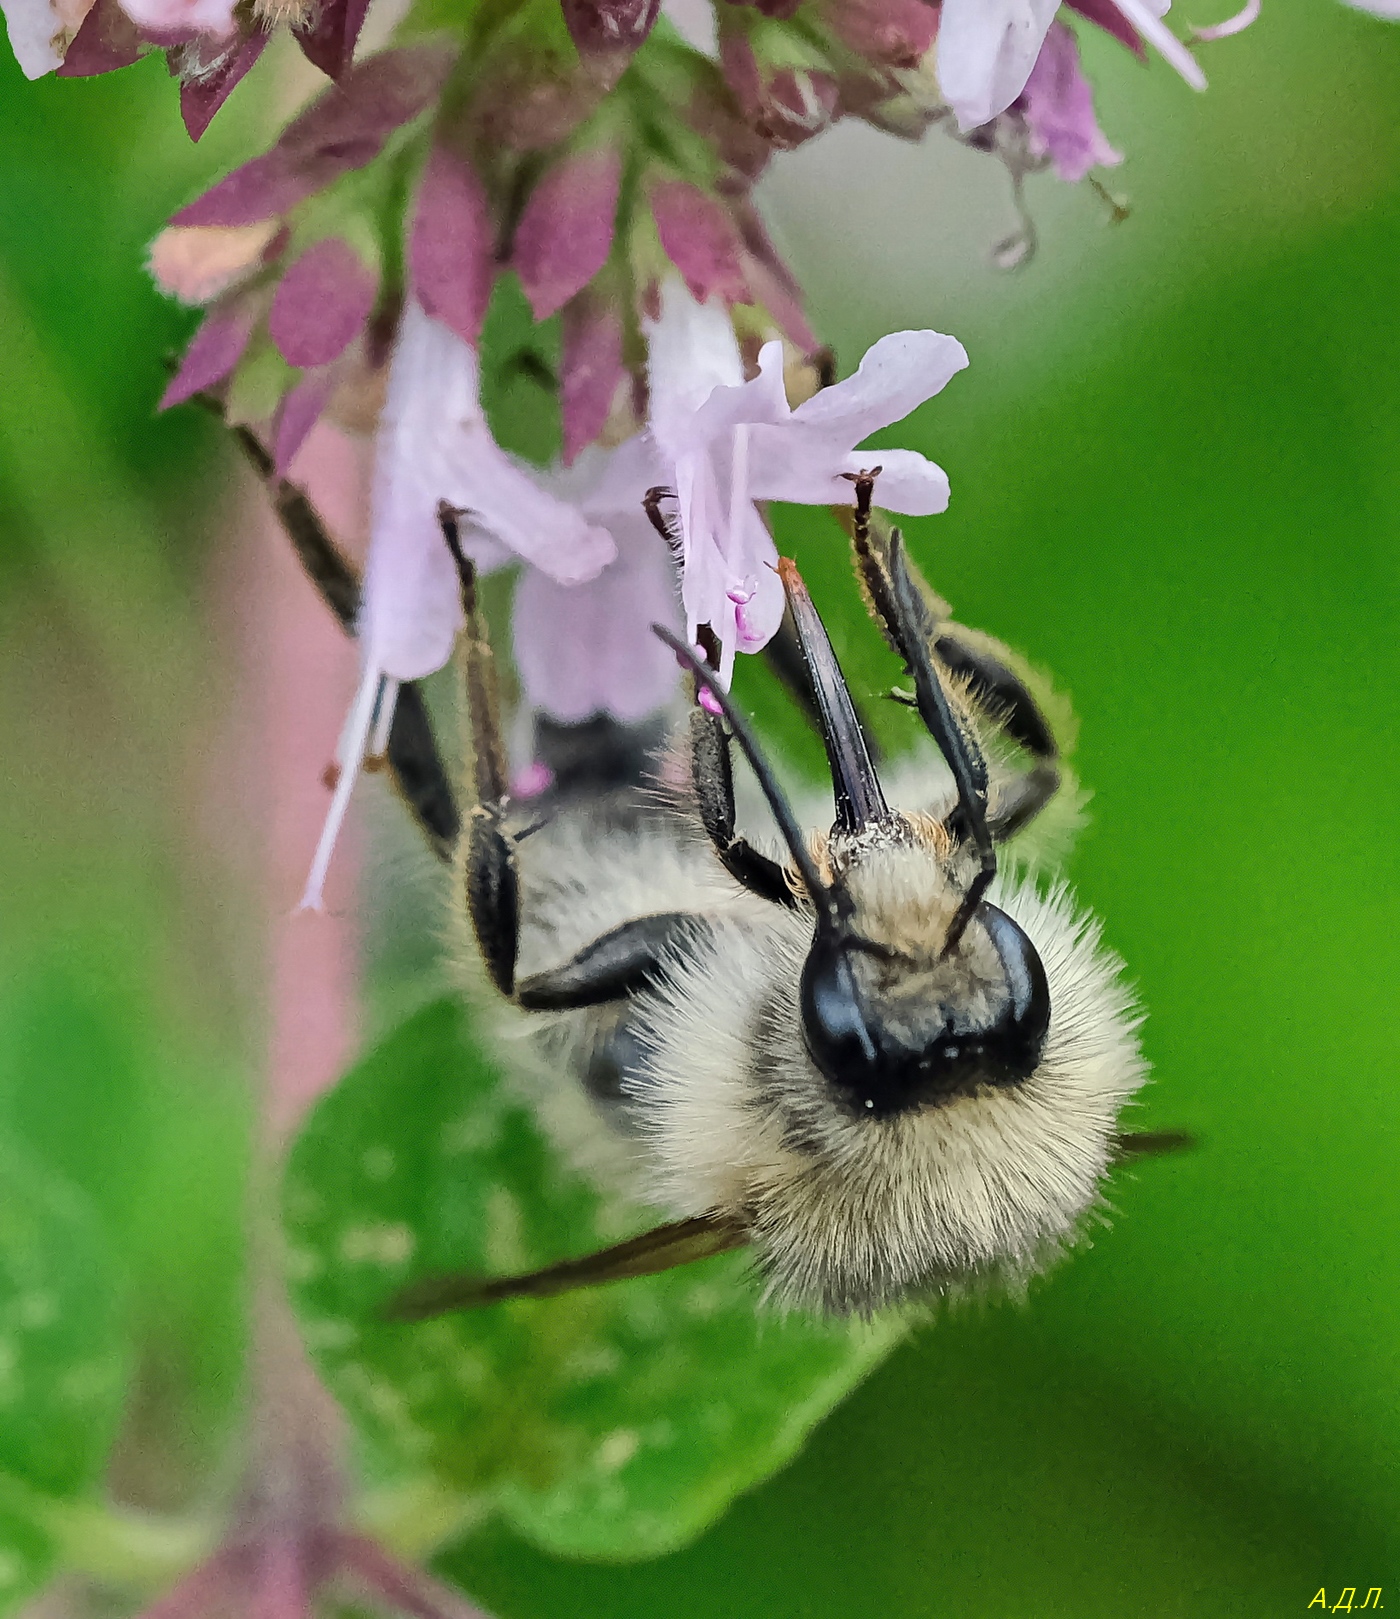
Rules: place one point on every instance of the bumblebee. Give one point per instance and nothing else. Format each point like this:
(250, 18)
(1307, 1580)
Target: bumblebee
(882, 1064)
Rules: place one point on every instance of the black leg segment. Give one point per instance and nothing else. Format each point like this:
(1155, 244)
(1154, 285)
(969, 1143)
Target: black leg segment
(617, 964)
(712, 772)
(492, 885)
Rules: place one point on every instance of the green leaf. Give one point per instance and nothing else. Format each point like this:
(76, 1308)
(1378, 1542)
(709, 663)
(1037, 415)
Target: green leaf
(63, 1344)
(613, 1422)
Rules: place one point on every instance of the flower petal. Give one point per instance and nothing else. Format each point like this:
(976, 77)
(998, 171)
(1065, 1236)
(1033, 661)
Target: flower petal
(897, 374)
(36, 31)
(908, 483)
(1059, 108)
(435, 445)
(691, 350)
(588, 649)
(1150, 25)
(179, 16)
(605, 484)
(761, 399)
(1245, 17)
(986, 50)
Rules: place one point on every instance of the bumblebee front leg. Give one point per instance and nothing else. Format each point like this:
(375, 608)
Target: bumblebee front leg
(712, 774)
(488, 859)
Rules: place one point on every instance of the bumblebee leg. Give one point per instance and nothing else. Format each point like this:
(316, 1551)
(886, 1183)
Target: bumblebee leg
(617, 964)
(994, 697)
(414, 760)
(490, 879)
(713, 775)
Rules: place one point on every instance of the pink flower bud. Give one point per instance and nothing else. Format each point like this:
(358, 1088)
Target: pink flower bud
(451, 249)
(591, 368)
(343, 129)
(329, 42)
(566, 230)
(699, 237)
(217, 347)
(786, 105)
(301, 408)
(893, 33)
(201, 98)
(1107, 16)
(197, 263)
(607, 32)
(322, 303)
(106, 41)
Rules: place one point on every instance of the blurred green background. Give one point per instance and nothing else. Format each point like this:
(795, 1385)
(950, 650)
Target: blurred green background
(1176, 472)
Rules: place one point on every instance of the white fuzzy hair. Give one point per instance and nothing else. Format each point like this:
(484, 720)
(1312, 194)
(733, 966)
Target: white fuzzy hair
(851, 1212)
(730, 1114)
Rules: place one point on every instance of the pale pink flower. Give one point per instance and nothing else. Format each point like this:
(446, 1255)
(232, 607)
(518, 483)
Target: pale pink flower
(1059, 109)
(434, 444)
(728, 443)
(987, 48)
(1389, 9)
(588, 649)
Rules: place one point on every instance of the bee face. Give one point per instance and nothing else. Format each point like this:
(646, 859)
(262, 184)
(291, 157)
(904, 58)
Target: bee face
(896, 1019)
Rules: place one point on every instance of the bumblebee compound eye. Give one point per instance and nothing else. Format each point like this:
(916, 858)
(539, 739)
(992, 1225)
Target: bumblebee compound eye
(1017, 1038)
(834, 1019)
(892, 1037)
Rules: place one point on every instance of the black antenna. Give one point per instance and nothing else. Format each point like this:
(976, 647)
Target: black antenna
(828, 901)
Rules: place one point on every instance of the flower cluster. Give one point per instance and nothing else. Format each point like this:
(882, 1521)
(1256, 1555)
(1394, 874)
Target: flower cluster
(582, 154)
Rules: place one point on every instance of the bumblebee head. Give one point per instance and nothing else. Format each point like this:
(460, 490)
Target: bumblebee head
(898, 1028)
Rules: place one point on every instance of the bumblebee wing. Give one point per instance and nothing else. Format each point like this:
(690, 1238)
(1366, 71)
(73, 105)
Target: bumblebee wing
(1151, 1144)
(664, 1248)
